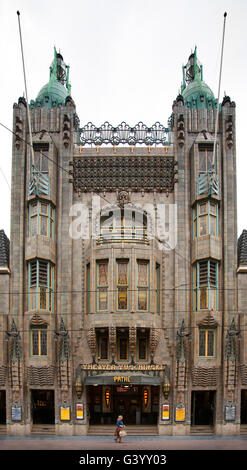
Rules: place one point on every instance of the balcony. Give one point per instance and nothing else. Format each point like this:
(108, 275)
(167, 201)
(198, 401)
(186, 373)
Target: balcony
(124, 234)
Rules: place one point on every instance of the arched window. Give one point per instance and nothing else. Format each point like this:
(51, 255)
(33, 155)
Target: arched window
(123, 225)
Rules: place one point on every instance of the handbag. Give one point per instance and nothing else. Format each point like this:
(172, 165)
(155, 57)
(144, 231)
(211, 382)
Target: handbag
(122, 433)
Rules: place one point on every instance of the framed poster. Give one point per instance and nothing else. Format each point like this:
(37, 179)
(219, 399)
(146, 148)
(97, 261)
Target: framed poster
(79, 411)
(65, 413)
(230, 412)
(180, 412)
(165, 412)
(16, 413)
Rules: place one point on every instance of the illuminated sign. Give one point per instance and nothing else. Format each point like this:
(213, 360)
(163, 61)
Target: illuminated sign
(165, 413)
(79, 411)
(65, 413)
(180, 412)
(118, 379)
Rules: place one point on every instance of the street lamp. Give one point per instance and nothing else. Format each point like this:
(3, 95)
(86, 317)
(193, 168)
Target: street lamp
(78, 385)
(166, 387)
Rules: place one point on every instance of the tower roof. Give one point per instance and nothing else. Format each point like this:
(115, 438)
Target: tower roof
(196, 93)
(55, 92)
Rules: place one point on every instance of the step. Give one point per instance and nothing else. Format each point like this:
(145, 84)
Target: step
(3, 429)
(243, 429)
(200, 430)
(134, 430)
(43, 429)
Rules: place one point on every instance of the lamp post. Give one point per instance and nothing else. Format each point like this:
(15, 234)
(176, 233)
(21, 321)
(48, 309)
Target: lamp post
(166, 387)
(78, 384)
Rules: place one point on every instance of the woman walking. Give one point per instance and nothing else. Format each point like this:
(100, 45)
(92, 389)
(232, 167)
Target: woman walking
(119, 428)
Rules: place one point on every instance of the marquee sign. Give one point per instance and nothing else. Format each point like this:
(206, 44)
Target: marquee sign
(123, 367)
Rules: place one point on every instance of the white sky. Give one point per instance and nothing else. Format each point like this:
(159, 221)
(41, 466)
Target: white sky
(125, 60)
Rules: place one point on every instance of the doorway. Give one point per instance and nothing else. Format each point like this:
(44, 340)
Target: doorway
(2, 407)
(203, 408)
(243, 416)
(127, 400)
(43, 411)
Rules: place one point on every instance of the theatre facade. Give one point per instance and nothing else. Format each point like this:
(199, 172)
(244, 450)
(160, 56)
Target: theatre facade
(124, 283)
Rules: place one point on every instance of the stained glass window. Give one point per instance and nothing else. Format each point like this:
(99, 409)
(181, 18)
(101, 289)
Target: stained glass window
(42, 218)
(205, 280)
(41, 285)
(205, 159)
(41, 158)
(207, 342)
(122, 285)
(142, 284)
(102, 285)
(39, 341)
(205, 219)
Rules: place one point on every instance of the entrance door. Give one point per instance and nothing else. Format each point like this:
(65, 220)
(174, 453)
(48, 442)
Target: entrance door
(243, 407)
(43, 411)
(202, 408)
(2, 407)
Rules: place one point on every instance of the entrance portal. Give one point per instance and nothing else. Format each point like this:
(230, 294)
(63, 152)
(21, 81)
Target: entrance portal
(243, 417)
(43, 411)
(202, 408)
(136, 403)
(2, 407)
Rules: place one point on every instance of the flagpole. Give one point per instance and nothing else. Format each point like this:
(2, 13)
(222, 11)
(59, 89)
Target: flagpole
(25, 83)
(218, 102)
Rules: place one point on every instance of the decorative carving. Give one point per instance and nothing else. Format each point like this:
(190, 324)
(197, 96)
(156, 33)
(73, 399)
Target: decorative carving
(154, 341)
(3, 375)
(15, 343)
(181, 348)
(208, 321)
(180, 130)
(205, 377)
(138, 173)
(18, 132)
(230, 347)
(132, 343)
(123, 198)
(123, 134)
(231, 356)
(37, 320)
(113, 342)
(41, 375)
(63, 358)
(64, 343)
(66, 130)
(243, 374)
(92, 343)
(229, 131)
(15, 361)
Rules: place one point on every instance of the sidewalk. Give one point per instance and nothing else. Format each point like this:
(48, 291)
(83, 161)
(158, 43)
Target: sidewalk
(43, 442)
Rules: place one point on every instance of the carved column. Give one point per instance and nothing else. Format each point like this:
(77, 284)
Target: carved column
(231, 361)
(132, 343)
(113, 342)
(63, 361)
(15, 362)
(92, 343)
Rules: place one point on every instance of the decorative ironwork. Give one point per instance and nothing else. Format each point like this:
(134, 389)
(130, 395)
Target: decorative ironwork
(208, 183)
(124, 134)
(39, 183)
(133, 172)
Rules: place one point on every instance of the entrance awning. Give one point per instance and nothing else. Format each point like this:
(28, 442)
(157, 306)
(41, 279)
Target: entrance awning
(127, 380)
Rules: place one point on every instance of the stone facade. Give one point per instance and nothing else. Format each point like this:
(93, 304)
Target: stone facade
(103, 292)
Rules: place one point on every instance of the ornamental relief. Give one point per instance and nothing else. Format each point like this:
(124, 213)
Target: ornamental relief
(132, 172)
